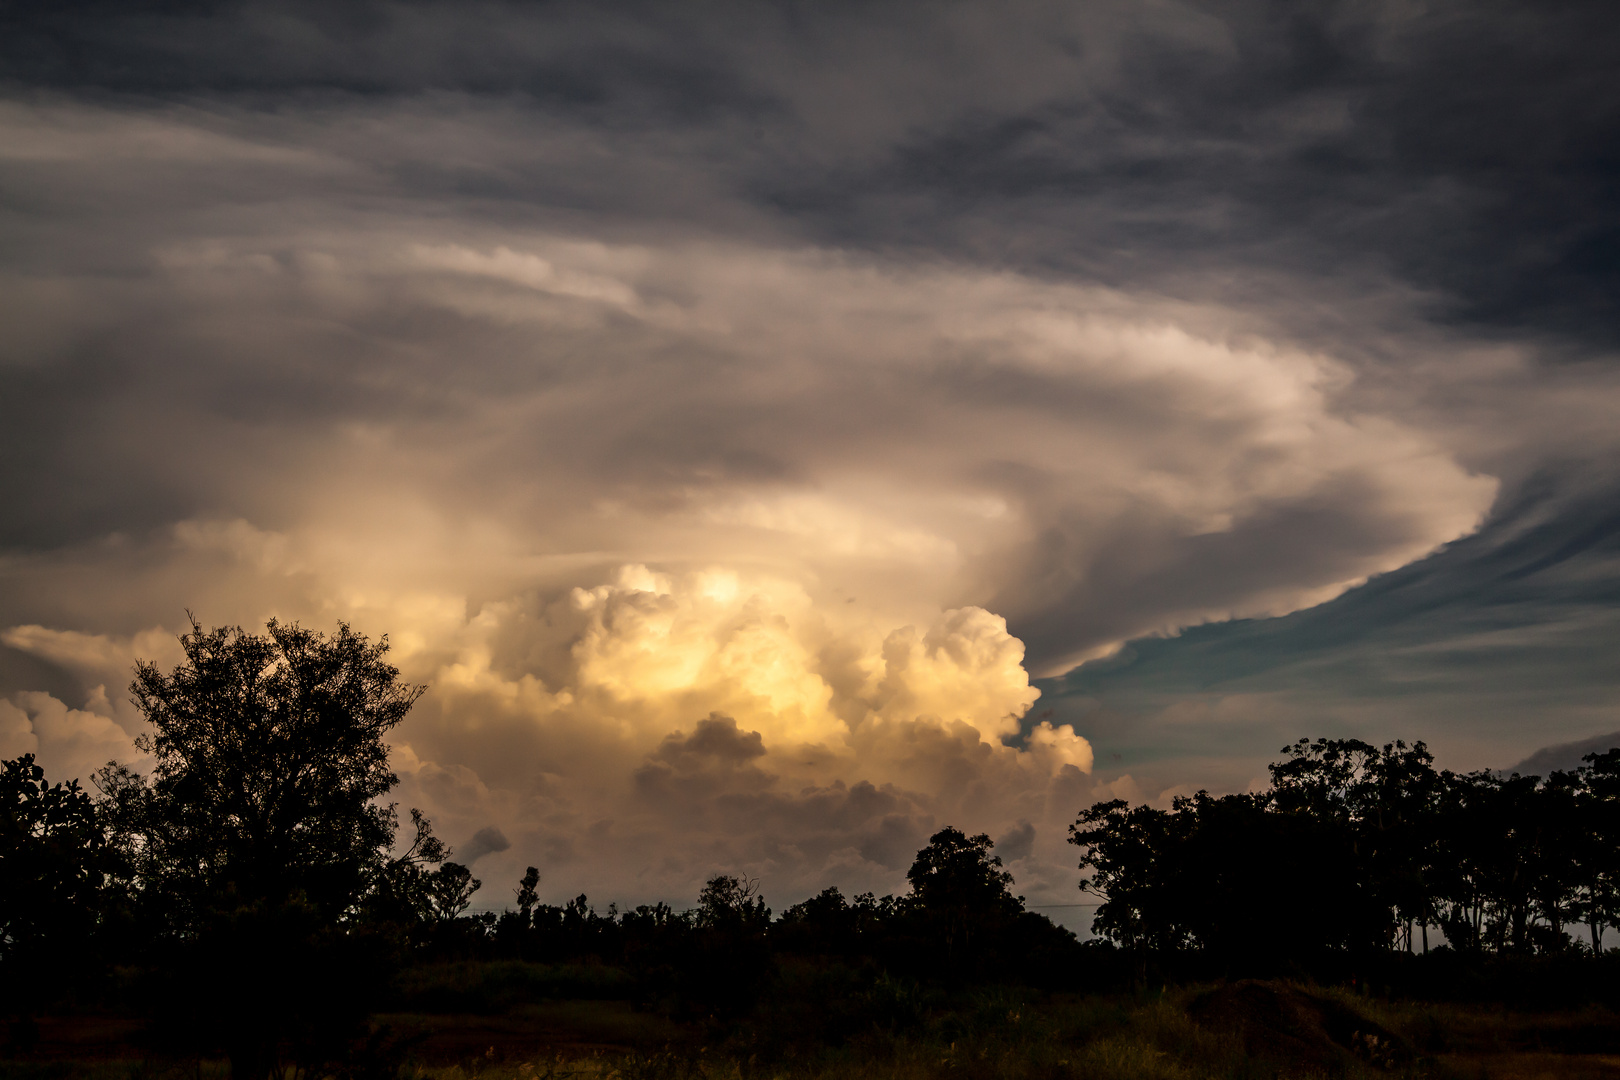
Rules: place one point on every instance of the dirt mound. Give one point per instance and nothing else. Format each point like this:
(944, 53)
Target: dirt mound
(1281, 1021)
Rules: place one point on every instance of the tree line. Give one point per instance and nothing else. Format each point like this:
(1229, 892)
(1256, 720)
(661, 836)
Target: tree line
(254, 892)
(1357, 850)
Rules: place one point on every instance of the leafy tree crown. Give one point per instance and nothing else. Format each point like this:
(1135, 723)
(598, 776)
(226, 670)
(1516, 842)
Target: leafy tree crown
(269, 759)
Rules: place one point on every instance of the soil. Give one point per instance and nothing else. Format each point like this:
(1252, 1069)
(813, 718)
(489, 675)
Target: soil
(1279, 1021)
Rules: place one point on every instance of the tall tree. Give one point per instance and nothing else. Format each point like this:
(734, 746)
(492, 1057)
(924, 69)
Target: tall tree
(1598, 845)
(1553, 851)
(260, 835)
(1133, 859)
(1398, 825)
(269, 761)
(1385, 799)
(961, 887)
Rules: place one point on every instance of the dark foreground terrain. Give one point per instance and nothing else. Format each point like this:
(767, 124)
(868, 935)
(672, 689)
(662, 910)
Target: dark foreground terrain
(503, 1020)
(150, 932)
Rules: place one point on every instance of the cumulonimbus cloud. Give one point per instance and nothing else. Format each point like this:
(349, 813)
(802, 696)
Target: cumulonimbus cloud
(688, 723)
(718, 551)
(724, 720)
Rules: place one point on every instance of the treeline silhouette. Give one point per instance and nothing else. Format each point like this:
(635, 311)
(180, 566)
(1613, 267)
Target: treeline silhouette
(252, 896)
(1355, 853)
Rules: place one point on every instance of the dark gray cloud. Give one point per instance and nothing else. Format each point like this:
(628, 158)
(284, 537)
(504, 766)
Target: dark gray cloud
(1491, 648)
(1565, 757)
(1017, 844)
(485, 841)
(1469, 150)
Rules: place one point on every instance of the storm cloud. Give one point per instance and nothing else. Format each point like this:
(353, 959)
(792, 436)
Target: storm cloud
(775, 432)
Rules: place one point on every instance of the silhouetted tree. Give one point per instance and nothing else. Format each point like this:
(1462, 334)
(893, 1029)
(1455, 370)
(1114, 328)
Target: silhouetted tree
(958, 872)
(1352, 846)
(1598, 844)
(825, 923)
(449, 890)
(1132, 855)
(401, 891)
(1487, 837)
(514, 930)
(1266, 890)
(1255, 882)
(54, 864)
(1386, 801)
(1553, 858)
(260, 829)
(269, 759)
(732, 903)
(1398, 811)
(730, 958)
(961, 890)
(528, 894)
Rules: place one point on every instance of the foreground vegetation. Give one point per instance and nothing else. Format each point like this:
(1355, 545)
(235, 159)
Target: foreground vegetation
(249, 910)
(1248, 1030)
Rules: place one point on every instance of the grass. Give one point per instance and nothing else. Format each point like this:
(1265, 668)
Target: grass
(995, 1037)
(990, 1035)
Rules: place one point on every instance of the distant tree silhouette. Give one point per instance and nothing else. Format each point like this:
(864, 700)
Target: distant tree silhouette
(1131, 853)
(1384, 800)
(1488, 849)
(729, 960)
(731, 903)
(401, 892)
(1598, 845)
(527, 893)
(825, 923)
(450, 889)
(1554, 821)
(958, 872)
(1250, 886)
(1399, 821)
(961, 889)
(1352, 848)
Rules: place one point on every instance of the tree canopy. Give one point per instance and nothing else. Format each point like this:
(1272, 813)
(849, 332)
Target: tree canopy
(957, 871)
(1352, 849)
(269, 761)
(54, 864)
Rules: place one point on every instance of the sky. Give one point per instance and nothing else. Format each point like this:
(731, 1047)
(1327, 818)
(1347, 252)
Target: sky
(776, 431)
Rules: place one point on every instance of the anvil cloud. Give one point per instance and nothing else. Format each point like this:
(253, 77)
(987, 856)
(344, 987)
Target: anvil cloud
(729, 416)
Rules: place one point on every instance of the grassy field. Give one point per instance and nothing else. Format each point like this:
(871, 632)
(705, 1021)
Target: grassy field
(484, 1022)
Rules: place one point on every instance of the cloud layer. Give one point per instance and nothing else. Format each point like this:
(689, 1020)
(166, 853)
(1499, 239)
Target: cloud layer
(729, 415)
